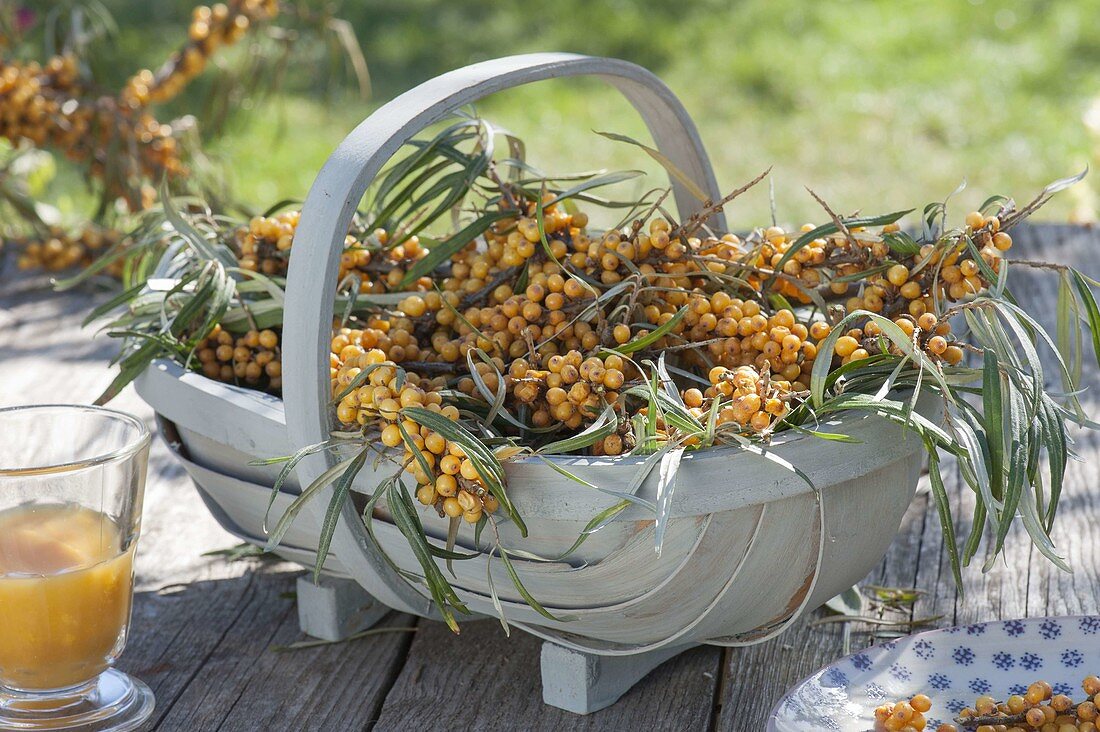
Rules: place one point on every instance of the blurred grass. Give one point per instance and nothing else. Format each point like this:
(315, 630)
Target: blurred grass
(875, 104)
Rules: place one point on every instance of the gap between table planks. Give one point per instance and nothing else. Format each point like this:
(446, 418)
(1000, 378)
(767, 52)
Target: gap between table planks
(204, 628)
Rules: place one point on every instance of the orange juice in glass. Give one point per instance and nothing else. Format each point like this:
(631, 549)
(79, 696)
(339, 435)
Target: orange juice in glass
(72, 480)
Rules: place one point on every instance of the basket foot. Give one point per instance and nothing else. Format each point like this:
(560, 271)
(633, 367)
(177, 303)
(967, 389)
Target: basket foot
(335, 608)
(583, 683)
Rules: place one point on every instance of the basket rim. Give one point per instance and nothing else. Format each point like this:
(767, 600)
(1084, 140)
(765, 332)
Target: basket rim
(273, 405)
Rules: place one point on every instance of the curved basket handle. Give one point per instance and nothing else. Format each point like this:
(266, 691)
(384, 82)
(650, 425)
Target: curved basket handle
(331, 204)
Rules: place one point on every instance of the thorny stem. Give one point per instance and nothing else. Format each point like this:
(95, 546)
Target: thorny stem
(692, 224)
(971, 305)
(839, 222)
(435, 367)
(640, 221)
(1040, 264)
(974, 722)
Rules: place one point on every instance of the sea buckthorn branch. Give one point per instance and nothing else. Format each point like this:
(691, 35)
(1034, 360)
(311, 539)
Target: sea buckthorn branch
(211, 28)
(1038, 708)
(116, 136)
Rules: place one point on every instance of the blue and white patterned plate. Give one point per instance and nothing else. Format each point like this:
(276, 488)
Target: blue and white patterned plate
(952, 666)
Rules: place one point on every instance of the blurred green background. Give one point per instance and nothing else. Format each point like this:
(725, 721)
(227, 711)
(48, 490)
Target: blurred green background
(875, 104)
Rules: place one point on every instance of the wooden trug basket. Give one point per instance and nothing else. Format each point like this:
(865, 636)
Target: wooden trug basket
(749, 545)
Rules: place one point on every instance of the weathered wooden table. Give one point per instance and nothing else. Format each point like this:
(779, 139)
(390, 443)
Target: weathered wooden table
(204, 628)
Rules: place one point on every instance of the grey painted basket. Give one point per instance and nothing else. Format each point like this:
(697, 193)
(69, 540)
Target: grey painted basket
(749, 545)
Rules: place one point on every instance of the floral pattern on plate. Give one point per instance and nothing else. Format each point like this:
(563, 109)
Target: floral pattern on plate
(952, 666)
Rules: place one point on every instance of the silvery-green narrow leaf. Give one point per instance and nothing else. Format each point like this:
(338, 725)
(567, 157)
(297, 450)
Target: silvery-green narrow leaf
(830, 436)
(669, 385)
(269, 285)
(891, 331)
(888, 384)
(296, 506)
(971, 434)
(606, 424)
(996, 203)
(666, 486)
(1018, 453)
(599, 181)
(1033, 524)
(483, 459)
(407, 522)
(993, 412)
(600, 520)
(1091, 310)
(382, 490)
(943, 508)
(134, 365)
(1064, 323)
(444, 250)
(531, 601)
(493, 594)
(977, 530)
(1055, 442)
(403, 198)
(894, 411)
(770, 456)
(911, 405)
(622, 495)
(423, 152)
(206, 250)
(1025, 317)
(690, 185)
(291, 462)
(115, 302)
(415, 451)
(1035, 366)
(336, 504)
(496, 401)
(452, 536)
(1063, 183)
(653, 336)
(901, 243)
(359, 380)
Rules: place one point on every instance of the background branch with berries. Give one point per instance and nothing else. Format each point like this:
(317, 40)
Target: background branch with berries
(52, 103)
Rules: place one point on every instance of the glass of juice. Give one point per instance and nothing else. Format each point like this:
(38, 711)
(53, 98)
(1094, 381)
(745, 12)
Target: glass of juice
(72, 480)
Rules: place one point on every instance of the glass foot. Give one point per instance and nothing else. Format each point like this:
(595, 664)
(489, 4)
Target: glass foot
(113, 702)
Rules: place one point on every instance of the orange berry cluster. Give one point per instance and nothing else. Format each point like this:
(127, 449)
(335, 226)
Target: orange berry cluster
(47, 106)
(570, 389)
(452, 483)
(926, 331)
(32, 97)
(1038, 708)
(524, 314)
(115, 137)
(903, 716)
(776, 343)
(378, 266)
(253, 359)
(61, 250)
(264, 246)
(888, 282)
(211, 28)
(754, 399)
